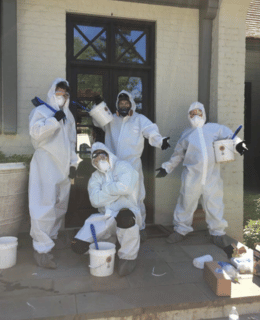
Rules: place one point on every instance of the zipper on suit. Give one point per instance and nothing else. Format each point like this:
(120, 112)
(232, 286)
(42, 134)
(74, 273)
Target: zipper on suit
(205, 156)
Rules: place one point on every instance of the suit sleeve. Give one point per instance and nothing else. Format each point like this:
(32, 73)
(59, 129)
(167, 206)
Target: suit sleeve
(41, 127)
(177, 156)
(151, 132)
(125, 180)
(73, 140)
(97, 196)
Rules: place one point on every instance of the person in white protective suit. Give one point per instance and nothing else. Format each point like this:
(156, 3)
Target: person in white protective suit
(200, 176)
(54, 162)
(113, 190)
(125, 135)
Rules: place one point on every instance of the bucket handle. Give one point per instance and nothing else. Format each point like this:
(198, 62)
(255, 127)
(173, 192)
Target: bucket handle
(108, 259)
(97, 266)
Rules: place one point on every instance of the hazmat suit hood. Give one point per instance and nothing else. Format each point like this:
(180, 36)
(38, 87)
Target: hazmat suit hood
(51, 98)
(133, 105)
(100, 146)
(57, 138)
(197, 121)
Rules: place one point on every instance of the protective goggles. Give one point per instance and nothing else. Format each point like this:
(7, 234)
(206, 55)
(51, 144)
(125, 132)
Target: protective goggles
(62, 93)
(196, 112)
(102, 155)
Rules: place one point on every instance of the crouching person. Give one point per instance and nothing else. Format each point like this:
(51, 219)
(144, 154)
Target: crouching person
(113, 191)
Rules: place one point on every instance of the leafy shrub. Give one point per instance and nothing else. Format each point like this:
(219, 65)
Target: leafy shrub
(252, 233)
(15, 158)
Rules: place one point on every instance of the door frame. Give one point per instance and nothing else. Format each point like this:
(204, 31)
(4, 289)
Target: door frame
(113, 67)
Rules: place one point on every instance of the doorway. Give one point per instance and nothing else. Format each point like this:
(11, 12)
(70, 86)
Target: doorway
(108, 55)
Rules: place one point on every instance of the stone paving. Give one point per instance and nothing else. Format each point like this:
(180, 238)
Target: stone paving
(70, 292)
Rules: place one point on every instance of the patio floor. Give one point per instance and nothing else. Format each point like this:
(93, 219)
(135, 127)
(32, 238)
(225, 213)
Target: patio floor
(70, 292)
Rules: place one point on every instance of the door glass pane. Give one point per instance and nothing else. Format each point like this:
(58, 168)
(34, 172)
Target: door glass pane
(134, 86)
(88, 81)
(85, 132)
(84, 141)
(90, 43)
(130, 46)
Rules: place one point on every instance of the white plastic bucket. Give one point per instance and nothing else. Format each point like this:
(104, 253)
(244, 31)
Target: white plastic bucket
(8, 252)
(224, 150)
(101, 114)
(102, 261)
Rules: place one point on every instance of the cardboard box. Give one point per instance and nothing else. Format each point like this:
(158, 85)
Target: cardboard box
(216, 280)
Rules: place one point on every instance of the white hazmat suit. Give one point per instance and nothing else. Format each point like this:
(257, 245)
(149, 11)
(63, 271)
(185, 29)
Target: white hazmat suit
(124, 136)
(49, 185)
(110, 192)
(201, 174)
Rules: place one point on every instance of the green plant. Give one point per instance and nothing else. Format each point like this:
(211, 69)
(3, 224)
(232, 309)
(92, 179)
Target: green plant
(251, 217)
(252, 233)
(15, 158)
(251, 206)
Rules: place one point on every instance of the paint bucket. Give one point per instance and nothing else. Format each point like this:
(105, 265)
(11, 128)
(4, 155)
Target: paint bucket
(8, 252)
(102, 261)
(101, 114)
(224, 150)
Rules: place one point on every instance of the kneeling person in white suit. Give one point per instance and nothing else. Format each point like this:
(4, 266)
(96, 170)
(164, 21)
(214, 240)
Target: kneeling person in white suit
(113, 190)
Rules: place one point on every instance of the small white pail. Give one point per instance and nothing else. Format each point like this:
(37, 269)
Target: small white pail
(101, 114)
(102, 261)
(224, 150)
(8, 252)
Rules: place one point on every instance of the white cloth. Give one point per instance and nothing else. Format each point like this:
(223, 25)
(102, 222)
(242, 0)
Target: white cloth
(54, 142)
(124, 136)
(199, 261)
(200, 177)
(110, 192)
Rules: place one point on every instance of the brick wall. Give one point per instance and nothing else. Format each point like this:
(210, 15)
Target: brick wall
(42, 50)
(41, 58)
(227, 98)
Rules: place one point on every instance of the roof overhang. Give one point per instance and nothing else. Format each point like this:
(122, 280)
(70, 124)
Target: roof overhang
(194, 4)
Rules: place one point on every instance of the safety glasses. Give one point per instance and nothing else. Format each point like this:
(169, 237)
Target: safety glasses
(62, 93)
(196, 112)
(101, 155)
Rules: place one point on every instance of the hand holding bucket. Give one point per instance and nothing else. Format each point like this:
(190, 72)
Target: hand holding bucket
(224, 149)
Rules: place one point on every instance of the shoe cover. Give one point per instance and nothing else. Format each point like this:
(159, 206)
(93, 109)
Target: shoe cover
(219, 241)
(44, 260)
(125, 267)
(175, 237)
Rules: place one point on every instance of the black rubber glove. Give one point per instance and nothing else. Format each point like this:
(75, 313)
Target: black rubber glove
(229, 251)
(73, 172)
(162, 173)
(98, 99)
(59, 115)
(165, 144)
(241, 147)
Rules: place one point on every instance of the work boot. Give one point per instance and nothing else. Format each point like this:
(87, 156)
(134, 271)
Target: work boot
(219, 241)
(61, 243)
(44, 260)
(143, 235)
(79, 246)
(175, 237)
(125, 267)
